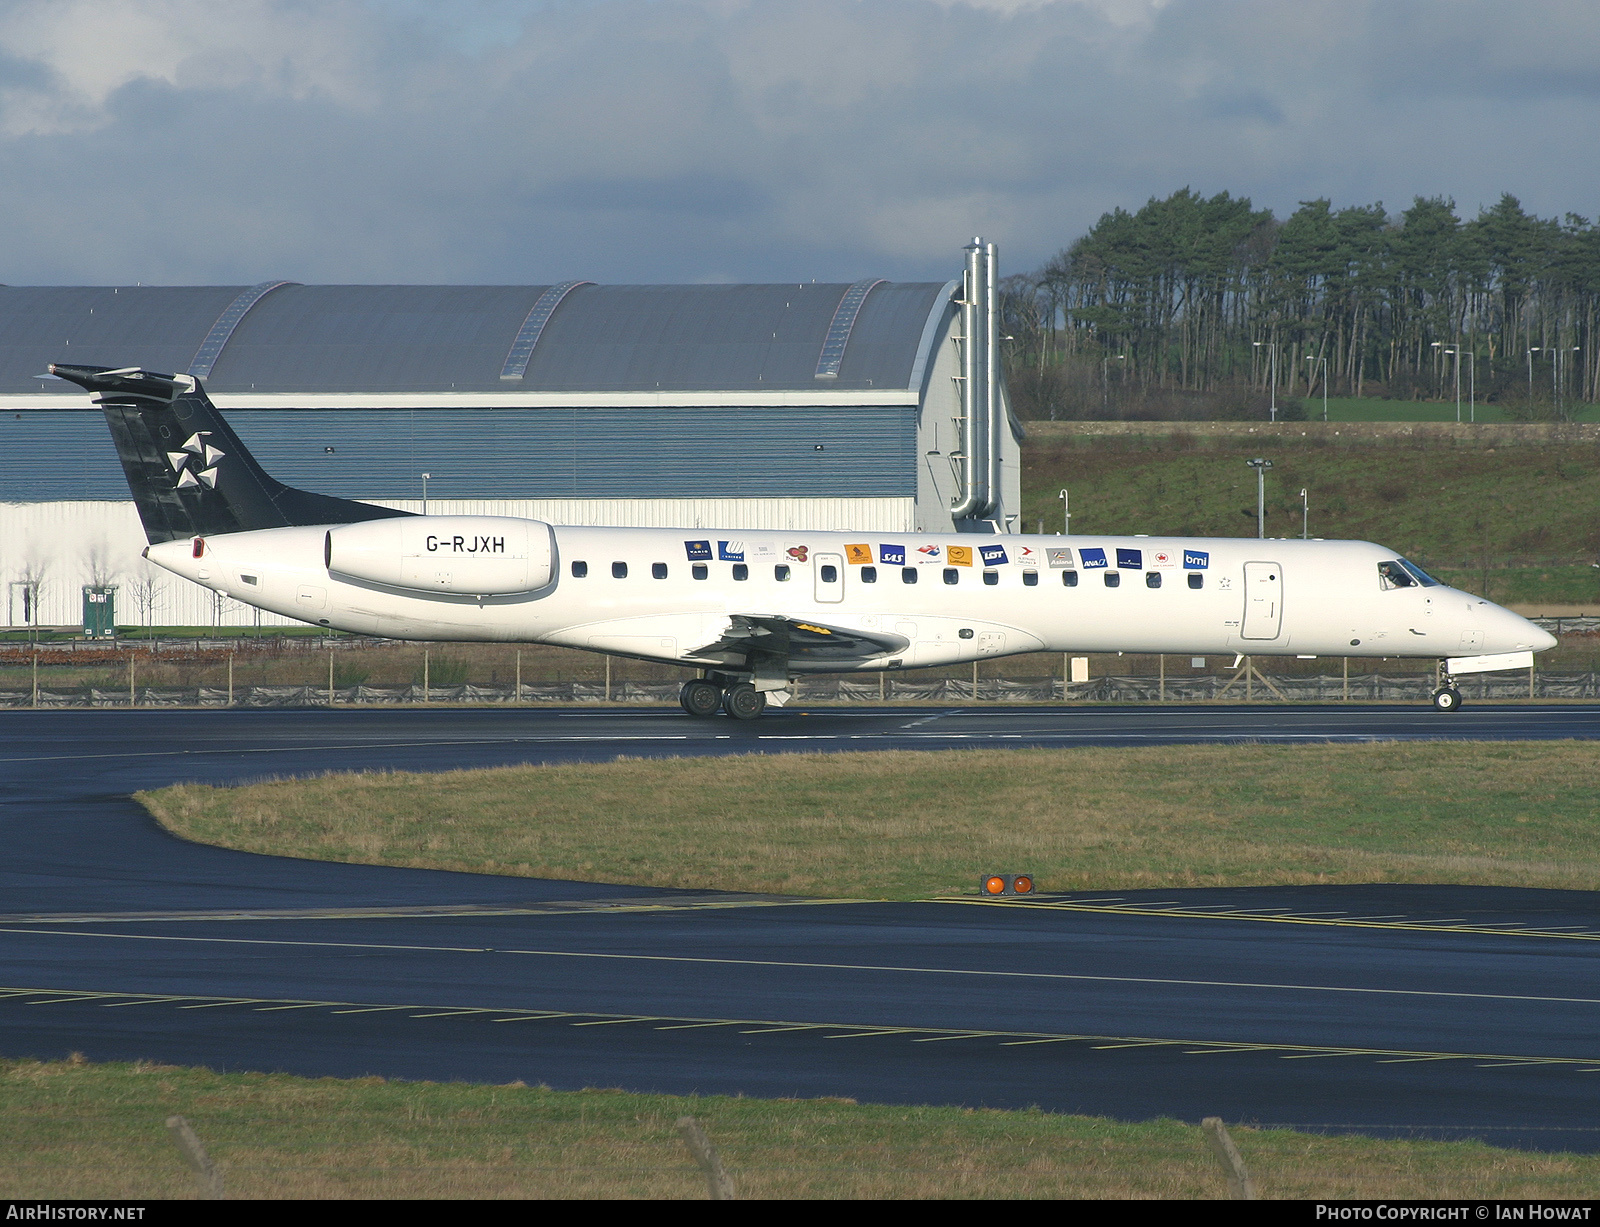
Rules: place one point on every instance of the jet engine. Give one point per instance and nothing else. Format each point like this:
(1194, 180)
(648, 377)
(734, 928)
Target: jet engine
(469, 555)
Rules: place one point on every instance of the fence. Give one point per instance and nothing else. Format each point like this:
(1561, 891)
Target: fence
(1369, 687)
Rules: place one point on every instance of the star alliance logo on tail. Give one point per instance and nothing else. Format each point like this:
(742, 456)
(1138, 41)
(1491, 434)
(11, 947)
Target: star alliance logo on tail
(196, 464)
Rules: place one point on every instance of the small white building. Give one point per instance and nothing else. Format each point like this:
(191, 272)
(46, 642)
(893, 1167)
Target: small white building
(862, 406)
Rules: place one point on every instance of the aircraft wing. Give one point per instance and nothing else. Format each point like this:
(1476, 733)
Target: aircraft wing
(798, 641)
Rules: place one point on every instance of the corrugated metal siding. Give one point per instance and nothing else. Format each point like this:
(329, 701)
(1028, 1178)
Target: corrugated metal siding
(867, 452)
(456, 338)
(61, 546)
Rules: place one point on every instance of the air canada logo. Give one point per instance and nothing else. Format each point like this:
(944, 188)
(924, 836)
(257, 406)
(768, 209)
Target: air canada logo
(196, 464)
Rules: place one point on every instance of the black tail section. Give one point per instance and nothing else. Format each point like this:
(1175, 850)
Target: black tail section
(190, 475)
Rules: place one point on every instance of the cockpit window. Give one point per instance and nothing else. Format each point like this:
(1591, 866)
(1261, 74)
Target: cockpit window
(1392, 575)
(1417, 573)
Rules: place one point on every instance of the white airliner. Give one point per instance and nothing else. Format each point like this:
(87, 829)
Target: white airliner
(752, 610)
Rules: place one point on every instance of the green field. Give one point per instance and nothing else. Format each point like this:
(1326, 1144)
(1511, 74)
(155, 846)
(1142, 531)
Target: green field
(70, 1129)
(905, 825)
(1374, 409)
(1518, 520)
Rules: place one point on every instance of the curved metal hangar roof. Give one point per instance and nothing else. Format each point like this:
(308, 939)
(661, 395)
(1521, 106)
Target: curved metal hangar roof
(578, 337)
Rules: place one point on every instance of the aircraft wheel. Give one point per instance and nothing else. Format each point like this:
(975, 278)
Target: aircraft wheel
(743, 702)
(1447, 698)
(700, 698)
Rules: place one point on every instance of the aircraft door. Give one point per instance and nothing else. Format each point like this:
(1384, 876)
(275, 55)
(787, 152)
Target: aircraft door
(830, 577)
(1263, 600)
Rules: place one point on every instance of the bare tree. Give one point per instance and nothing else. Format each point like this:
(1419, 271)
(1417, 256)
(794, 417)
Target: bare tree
(146, 591)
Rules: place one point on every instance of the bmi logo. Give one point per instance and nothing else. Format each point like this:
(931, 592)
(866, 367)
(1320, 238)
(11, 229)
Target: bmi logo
(196, 464)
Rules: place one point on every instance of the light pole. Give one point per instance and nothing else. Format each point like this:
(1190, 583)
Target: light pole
(1261, 466)
(1322, 358)
(1066, 515)
(1273, 346)
(1472, 384)
(1305, 513)
(425, 477)
(1439, 345)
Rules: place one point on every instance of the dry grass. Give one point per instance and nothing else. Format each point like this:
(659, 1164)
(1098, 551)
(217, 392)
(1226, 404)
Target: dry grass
(907, 825)
(74, 1130)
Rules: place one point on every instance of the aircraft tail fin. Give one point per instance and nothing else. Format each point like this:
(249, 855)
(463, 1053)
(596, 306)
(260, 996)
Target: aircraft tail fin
(189, 473)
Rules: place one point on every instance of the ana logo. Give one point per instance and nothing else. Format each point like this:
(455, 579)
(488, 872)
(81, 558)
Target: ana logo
(992, 555)
(797, 552)
(892, 555)
(1091, 558)
(196, 464)
(1196, 560)
(698, 551)
(1133, 559)
(730, 551)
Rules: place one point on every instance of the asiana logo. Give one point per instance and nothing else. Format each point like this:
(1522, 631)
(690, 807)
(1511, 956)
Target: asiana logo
(196, 464)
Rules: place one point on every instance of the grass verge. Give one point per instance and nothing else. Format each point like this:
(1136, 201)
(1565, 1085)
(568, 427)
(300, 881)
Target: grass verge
(909, 825)
(69, 1129)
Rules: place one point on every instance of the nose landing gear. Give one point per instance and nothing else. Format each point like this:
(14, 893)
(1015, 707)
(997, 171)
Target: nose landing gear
(1446, 695)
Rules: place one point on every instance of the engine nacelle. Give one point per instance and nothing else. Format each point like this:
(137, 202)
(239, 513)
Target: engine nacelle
(472, 555)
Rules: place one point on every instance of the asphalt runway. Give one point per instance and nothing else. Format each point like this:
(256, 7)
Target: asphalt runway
(1445, 1011)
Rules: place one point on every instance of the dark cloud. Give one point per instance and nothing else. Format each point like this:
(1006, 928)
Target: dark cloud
(663, 140)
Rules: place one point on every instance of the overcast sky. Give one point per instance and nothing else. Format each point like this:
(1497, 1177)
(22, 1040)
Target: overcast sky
(235, 141)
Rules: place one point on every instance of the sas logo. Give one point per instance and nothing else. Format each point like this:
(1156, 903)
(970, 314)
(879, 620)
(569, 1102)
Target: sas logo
(1196, 560)
(858, 555)
(698, 551)
(958, 555)
(1091, 558)
(196, 464)
(1132, 559)
(928, 551)
(730, 551)
(992, 555)
(797, 553)
(892, 555)
(1059, 557)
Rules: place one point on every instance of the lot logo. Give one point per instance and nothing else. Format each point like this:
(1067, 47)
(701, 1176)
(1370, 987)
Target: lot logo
(992, 555)
(1092, 557)
(730, 551)
(1196, 560)
(1132, 559)
(196, 464)
(698, 551)
(892, 555)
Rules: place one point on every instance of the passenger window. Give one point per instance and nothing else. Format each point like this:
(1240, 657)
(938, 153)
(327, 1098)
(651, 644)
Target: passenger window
(908, 575)
(619, 570)
(740, 571)
(1069, 579)
(869, 575)
(830, 574)
(1113, 579)
(781, 572)
(1152, 579)
(699, 570)
(1196, 580)
(991, 578)
(1030, 579)
(579, 570)
(658, 570)
(248, 579)
(952, 576)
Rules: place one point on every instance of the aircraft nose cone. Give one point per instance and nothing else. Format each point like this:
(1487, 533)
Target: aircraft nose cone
(1543, 640)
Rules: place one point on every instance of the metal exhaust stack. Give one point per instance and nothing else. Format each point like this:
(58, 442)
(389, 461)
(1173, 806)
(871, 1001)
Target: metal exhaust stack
(980, 386)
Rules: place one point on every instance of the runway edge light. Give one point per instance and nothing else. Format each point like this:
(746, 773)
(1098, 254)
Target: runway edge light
(1006, 885)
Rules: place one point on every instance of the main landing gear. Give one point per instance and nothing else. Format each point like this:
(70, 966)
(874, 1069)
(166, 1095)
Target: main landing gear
(702, 697)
